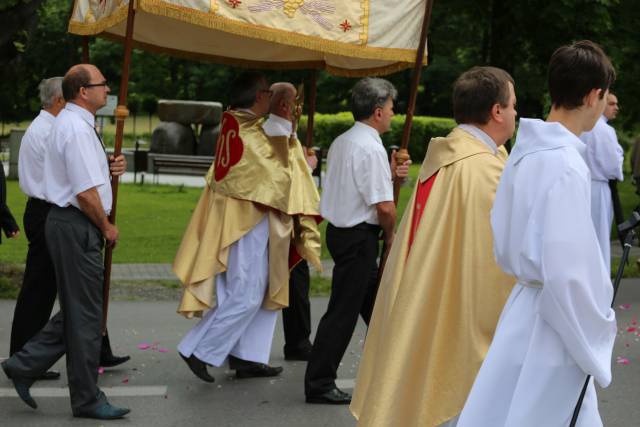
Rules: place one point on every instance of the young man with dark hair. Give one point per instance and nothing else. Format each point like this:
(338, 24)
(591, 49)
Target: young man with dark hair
(441, 292)
(557, 326)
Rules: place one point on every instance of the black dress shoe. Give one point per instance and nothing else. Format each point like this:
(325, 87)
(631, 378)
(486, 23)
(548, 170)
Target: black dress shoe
(332, 397)
(302, 354)
(107, 359)
(22, 386)
(49, 375)
(104, 412)
(111, 360)
(198, 367)
(258, 370)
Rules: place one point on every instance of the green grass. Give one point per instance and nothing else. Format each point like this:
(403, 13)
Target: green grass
(151, 218)
(319, 286)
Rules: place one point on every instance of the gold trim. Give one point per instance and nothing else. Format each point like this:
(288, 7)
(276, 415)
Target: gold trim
(364, 21)
(83, 29)
(293, 65)
(208, 20)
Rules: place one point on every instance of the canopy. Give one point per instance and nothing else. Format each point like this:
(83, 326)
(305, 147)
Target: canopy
(344, 37)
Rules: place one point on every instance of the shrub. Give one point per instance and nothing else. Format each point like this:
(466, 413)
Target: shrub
(328, 126)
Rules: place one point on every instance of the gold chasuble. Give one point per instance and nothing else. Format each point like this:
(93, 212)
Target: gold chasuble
(439, 299)
(253, 176)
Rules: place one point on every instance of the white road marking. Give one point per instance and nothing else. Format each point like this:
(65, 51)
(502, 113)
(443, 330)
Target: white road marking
(125, 391)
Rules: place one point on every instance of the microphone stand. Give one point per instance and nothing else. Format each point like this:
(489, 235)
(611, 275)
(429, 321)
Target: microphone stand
(625, 229)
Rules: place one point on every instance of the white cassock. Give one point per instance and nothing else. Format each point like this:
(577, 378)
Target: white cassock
(604, 156)
(238, 325)
(557, 325)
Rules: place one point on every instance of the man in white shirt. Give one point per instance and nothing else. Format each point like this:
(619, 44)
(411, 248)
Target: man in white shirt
(357, 201)
(38, 290)
(296, 319)
(604, 156)
(557, 326)
(77, 182)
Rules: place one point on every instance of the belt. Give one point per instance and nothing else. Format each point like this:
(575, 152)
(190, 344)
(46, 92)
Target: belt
(364, 226)
(37, 201)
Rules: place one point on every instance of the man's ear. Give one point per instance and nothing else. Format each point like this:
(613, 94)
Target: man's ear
(593, 97)
(496, 113)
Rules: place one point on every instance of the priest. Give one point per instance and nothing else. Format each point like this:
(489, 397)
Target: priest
(441, 292)
(258, 204)
(557, 326)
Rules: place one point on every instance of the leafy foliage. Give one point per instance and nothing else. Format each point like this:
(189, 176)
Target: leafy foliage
(518, 36)
(327, 126)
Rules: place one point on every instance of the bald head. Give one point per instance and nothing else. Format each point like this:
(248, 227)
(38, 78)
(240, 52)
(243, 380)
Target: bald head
(282, 99)
(77, 77)
(85, 86)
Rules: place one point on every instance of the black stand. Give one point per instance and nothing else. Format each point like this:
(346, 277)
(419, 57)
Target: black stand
(624, 229)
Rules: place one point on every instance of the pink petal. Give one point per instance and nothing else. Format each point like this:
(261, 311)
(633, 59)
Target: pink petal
(126, 380)
(163, 350)
(624, 306)
(100, 370)
(144, 346)
(622, 361)
(631, 329)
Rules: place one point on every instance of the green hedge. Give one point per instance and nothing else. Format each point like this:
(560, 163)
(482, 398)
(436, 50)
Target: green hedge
(328, 126)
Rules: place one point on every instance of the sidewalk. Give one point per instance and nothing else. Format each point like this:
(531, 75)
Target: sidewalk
(164, 272)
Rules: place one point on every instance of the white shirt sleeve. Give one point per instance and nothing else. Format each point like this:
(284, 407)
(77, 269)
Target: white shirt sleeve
(81, 162)
(373, 177)
(606, 154)
(576, 295)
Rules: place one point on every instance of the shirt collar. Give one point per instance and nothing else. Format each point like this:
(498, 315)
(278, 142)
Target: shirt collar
(82, 112)
(604, 118)
(47, 116)
(368, 129)
(481, 135)
(281, 121)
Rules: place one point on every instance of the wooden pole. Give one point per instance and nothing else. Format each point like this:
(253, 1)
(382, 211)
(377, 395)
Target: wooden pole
(121, 114)
(85, 49)
(313, 91)
(403, 155)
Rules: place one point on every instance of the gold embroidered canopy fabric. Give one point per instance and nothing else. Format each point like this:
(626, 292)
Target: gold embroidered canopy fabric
(345, 37)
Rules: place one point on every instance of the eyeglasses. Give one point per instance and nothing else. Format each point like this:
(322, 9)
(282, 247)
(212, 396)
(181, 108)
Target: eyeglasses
(104, 83)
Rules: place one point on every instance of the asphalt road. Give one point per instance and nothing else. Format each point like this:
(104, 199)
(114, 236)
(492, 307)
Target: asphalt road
(161, 391)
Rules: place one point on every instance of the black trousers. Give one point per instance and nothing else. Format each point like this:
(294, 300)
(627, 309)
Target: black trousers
(296, 319)
(75, 246)
(38, 292)
(353, 292)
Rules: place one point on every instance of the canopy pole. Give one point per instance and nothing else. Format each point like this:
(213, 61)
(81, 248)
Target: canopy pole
(121, 114)
(403, 154)
(85, 49)
(313, 90)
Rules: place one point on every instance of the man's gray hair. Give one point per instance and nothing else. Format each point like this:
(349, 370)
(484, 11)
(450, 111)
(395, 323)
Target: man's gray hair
(50, 89)
(368, 94)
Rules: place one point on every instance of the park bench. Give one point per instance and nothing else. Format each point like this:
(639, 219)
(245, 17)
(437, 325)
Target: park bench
(178, 164)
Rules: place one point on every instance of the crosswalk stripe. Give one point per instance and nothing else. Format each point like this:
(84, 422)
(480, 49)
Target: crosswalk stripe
(124, 391)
